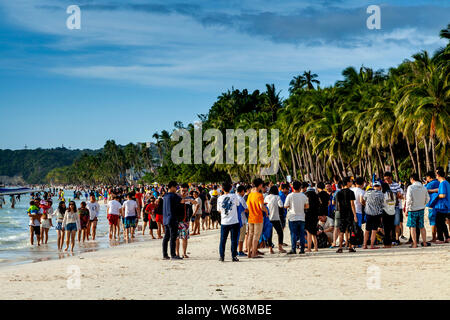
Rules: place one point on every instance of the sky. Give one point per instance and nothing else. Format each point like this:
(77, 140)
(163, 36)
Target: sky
(135, 67)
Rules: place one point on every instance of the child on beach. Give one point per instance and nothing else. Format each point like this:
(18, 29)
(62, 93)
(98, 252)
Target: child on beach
(45, 207)
(35, 226)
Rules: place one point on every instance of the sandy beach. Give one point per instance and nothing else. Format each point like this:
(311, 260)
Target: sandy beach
(136, 271)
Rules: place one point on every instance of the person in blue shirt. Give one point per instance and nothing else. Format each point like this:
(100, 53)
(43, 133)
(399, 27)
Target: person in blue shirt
(283, 194)
(441, 204)
(432, 187)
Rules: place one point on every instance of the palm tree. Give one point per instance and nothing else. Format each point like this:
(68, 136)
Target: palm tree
(306, 79)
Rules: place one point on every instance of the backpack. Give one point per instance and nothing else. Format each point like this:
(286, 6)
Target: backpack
(356, 235)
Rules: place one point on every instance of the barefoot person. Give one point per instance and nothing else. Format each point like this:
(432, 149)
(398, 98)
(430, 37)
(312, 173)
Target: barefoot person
(94, 211)
(35, 226)
(71, 223)
(59, 214)
(345, 202)
(373, 200)
(83, 212)
(130, 211)
(197, 208)
(45, 219)
(417, 198)
(183, 225)
(113, 212)
(256, 208)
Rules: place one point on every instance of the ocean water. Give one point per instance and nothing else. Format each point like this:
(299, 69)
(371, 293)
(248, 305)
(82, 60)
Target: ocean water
(15, 235)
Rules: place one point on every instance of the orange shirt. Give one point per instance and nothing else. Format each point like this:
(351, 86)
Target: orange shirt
(254, 202)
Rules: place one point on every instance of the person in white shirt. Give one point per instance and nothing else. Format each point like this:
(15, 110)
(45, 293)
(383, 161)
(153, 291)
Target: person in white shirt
(274, 204)
(130, 212)
(113, 212)
(71, 223)
(94, 211)
(416, 199)
(359, 194)
(327, 225)
(296, 203)
(227, 205)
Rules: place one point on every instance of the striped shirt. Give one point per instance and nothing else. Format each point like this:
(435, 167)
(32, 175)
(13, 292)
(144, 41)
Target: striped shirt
(395, 188)
(374, 202)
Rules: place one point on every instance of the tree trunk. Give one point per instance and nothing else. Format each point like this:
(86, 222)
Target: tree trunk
(293, 164)
(433, 152)
(338, 170)
(427, 156)
(310, 161)
(369, 163)
(381, 167)
(343, 164)
(394, 162)
(410, 153)
(418, 157)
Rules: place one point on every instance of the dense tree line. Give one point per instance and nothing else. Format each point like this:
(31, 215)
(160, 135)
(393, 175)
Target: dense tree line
(34, 165)
(107, 166)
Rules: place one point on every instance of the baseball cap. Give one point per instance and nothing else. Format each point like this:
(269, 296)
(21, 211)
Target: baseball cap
(377, 184)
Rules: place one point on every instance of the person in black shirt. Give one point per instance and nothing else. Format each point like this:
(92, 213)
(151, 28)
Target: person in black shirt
(311, 216)
(324, 199)
(345, 201)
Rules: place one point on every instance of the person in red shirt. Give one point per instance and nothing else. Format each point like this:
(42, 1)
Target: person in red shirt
(149, 216)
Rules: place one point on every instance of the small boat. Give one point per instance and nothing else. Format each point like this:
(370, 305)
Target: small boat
(16, 191)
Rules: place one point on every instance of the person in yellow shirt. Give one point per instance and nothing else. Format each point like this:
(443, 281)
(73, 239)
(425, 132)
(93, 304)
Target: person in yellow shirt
(256, 209)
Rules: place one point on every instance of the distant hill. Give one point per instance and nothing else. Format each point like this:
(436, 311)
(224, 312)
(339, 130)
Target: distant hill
(33, 165)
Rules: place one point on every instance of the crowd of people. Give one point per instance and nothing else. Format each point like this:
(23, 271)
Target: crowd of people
(352, 213)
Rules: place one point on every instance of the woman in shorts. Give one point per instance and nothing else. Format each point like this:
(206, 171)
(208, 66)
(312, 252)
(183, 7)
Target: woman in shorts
(71, 223)
(59, 213)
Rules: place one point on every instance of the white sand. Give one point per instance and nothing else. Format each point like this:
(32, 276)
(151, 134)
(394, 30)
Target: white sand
(136, 271)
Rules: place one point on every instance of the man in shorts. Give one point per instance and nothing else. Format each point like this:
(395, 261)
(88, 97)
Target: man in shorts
(130, 211)
(94, 211)
(113, 210)
(345, 201)
(373, 201)
(416, 199)
(183, 225)
(256, 208)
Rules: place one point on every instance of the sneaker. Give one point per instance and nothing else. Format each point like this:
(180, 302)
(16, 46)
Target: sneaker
(291, 252)
(241, 254)
(302, 252)
(235, 259)
(403, 237)
(166, 258)
(221, 259)
(176, 258)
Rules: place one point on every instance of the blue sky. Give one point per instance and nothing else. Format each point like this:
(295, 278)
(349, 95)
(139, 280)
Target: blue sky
(136, 67)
